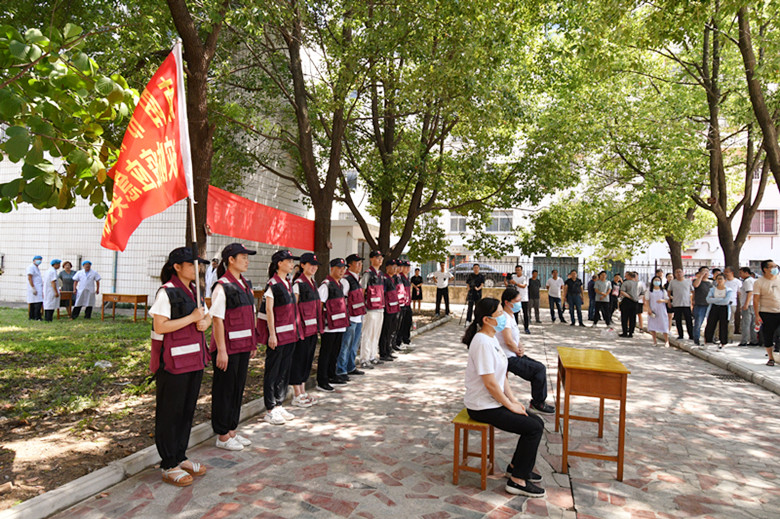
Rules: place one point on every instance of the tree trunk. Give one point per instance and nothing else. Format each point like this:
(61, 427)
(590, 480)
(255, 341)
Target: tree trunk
(322, 225)
(675, 252)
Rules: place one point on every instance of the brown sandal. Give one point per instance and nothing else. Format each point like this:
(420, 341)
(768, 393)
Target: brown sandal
(770, 362)
(195, 470)
(177, 477)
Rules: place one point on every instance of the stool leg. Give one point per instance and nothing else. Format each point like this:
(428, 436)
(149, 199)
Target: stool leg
(492, 450)
(483, 472)
(465, 446)
(601, 418)
(456, 460)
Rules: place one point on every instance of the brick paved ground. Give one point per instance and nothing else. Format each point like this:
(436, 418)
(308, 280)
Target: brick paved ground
(697, 446)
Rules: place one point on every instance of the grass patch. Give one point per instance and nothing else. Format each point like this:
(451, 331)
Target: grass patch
(49, 368)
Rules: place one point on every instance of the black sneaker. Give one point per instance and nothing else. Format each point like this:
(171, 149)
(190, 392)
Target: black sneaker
(562, 321)
(541, 408)
(337, 381)
(533, 477)
(357, 372)
(387, 358)
(528, 490)
(396, 348)
(327, 388)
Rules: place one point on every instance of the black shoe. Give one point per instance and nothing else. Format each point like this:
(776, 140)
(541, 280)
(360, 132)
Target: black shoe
(533, 477)
(572, 324)
(396, 348)
(541, 408)
(554, 320)
(754, 344)
(623, 335)
(387, 358)
(357, 372)
(697, 343)
(582, 325)
(680, 338)
(527, 331)
(327, 388)
(538, 322)
(337, 381)
(528, 490)
(630, 335)
(564, 322)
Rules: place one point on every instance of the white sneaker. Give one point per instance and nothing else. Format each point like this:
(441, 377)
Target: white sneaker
(284, 413)
(274, 418)
(243, 440)
(231, 444)
(301, 401)
(309, 398)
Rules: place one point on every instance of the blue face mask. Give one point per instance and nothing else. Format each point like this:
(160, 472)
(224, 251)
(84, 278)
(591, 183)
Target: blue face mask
(775, 271)
(500, 322)
(517, 307)
(657, 283)
(37, 262)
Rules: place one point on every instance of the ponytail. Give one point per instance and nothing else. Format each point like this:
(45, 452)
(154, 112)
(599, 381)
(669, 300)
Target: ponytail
(222, 268)
(484, 308)
(167, 272)
(272, 269)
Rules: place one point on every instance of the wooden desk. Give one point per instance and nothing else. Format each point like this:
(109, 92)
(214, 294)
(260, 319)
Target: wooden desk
(595, 373)
(124, 298)
(65, 296)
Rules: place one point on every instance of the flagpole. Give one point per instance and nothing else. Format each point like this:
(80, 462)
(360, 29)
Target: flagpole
(186, 156)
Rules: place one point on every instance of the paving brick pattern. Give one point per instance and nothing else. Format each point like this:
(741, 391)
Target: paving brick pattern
(697, 446)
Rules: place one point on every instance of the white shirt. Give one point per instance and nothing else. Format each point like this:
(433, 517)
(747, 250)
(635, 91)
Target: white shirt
(642, 290)
(747, 287)
(50, 300)
(86, 280)
(37, 279)
(442, 278)
(521, 280)
(323, 291)
(512, 326)
(554, 287)
(162, 305)
(485, 357)
(735, 285)
(219, 300)
(270, 293)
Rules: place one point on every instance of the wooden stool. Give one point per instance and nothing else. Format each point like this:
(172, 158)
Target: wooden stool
(465, 423)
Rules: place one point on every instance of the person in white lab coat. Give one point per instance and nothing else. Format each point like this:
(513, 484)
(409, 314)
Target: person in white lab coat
(34, 289)
(211, 275)
(86, 285)
(51, 291)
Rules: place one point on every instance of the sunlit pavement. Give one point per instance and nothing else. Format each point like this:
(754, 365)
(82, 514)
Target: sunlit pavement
(698, 445)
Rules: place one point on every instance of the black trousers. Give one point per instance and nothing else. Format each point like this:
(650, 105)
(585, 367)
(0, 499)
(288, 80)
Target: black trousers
(227, 392)
(526, 314)
(534, 372)
(771, 322)
(628, 316)
(176, 399)
(77, 310)
(602, 307)
(303, 358)
(277, 374)
(330, 346)
(613, 304)
(443, 293)
(404, 334)
(473, 297)
(719, 315)
(530, 428)
(34, 313)
(387, 336)
(680, 313)
(48, 315)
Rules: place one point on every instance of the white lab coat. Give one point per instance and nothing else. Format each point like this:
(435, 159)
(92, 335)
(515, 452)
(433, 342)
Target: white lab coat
(37, 280)
(85, 291)
(211, 278)
(51, 299)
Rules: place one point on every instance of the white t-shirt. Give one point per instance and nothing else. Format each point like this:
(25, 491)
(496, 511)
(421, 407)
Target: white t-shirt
(162, 305)
(270, 293)
(554, 287)
(485, 357)
(521, 280)
(219, 301)
(323, 291)
(642, 290)
(747, 286)
(735, 285)
(514, 329)
(442, 278)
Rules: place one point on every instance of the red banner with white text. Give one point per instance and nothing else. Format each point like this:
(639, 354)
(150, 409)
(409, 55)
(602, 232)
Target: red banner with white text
(232, 215)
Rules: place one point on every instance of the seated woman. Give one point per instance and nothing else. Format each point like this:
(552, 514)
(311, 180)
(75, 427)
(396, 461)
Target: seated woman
(489, 398)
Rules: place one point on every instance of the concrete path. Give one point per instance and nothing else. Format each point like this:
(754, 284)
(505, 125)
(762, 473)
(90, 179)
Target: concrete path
(700, 443)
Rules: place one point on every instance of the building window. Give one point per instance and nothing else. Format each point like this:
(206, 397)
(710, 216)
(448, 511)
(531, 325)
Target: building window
(502, 222)
(764, 222)
(457, 223)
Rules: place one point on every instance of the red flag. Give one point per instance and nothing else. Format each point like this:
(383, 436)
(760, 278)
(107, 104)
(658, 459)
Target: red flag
(153, 171)
(232, 215)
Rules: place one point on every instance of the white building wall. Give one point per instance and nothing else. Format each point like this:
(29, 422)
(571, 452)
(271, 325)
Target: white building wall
(75, 233)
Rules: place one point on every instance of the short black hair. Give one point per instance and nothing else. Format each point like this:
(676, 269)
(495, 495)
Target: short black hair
(765, 264)
(534, 270)
(746, 270)
(475, 265)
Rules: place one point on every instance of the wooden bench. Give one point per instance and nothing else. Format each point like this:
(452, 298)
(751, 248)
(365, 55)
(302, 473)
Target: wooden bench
(136, 299)
(487, 455)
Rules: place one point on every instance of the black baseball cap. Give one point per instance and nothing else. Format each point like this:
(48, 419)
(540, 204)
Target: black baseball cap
(234, 249)
(184, 255)
(338, 262)
(310, 257)
(354, 257)
(283, 255)
(375, 253)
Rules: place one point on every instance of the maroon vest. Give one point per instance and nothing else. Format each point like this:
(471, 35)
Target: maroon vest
(375, 291)
(402, 294)
(240, 330)
(183, 350)
(391, 296)
(336, 305)
(356, 300)
(309, 306)
(285, 314)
